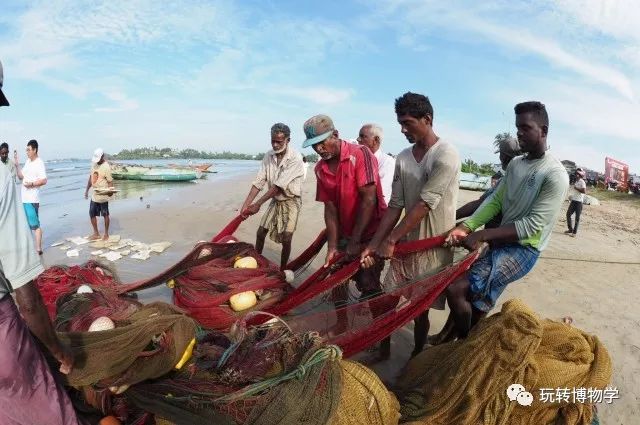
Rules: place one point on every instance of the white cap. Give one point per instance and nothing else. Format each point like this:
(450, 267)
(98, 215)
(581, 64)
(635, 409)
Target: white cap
(97, 154)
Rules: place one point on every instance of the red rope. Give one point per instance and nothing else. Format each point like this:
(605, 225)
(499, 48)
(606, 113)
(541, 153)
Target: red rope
(229, 229)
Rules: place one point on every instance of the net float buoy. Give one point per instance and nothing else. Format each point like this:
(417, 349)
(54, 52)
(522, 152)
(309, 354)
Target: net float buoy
(102, 324)
(119, 390)
(171, 283)
(84, 289)
(245, 263)
(109, 420)
(188, 352)
(243, 301)
(289, 276)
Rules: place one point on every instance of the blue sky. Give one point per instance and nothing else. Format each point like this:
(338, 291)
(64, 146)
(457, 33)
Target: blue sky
(215, 75)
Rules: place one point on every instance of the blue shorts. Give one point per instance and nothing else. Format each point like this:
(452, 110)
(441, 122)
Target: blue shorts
(491, 274)
(31, 210)
(98, 209)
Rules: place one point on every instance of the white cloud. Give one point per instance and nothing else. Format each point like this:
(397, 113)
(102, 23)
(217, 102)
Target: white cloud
(319, 95)
(493, 23)
(122, 103)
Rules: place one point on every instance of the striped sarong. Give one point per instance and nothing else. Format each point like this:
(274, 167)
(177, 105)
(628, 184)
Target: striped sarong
(490, 275)
(281, 217)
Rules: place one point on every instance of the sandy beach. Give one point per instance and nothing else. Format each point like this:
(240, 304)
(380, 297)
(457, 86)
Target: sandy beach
(580, 277)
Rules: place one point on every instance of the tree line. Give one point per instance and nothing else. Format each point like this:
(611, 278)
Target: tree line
(168, 153)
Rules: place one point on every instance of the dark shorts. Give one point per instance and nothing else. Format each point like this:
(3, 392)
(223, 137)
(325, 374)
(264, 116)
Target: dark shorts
(490, 275)
(33, 216)
(98, 209)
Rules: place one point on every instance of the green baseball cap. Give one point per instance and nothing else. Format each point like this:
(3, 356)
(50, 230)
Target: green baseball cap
(317, 129)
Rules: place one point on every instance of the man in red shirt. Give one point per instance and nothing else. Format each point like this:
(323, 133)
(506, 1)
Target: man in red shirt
(349, 186)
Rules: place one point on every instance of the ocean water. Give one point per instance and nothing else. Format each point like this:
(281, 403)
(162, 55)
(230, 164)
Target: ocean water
(62, 202)
(67, 179)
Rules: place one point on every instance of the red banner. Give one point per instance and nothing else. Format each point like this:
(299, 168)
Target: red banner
(616, 172)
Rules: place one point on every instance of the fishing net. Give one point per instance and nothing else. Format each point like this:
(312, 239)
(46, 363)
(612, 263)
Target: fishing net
(204, 281)
(265, 375)
(465, 382)
(76, 312)
(204, 291)
(56, 281)
(145, 344)
(354, 327)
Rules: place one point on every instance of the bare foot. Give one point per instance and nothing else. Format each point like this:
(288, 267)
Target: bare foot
(105, 237)
(94, 237)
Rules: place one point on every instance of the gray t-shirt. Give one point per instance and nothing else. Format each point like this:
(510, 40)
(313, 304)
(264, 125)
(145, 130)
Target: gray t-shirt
(434, 181)
(19, 261)
(529, 196)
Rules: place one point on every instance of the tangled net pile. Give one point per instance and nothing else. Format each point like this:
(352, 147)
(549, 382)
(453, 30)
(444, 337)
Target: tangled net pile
(248, 376)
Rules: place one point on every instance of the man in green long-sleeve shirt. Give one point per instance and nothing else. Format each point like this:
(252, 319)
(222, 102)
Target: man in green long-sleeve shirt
(529, 197)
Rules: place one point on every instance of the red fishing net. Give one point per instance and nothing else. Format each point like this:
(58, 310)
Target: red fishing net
(205, 279)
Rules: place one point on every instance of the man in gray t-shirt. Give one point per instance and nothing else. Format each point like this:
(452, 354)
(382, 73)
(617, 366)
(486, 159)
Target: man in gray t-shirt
(425, 187)
(529, 197)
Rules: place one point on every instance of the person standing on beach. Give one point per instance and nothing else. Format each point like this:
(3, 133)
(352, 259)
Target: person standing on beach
(306, 168)
(4, 159)
(576, 200)
(100, 179)
(529, 197)
(29, 393)
(371, 135)
(33, 176)
(349, 186)
(282, 172)
(508, 149)
(425, 186)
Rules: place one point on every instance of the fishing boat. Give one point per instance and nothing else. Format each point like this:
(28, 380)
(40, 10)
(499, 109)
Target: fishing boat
(203, 168)
(471, 181)
(141, 172)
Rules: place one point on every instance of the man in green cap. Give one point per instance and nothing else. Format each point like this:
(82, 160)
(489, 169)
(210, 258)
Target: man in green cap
(348, 184)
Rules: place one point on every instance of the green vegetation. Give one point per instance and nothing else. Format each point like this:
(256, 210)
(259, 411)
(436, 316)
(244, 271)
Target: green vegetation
(470, 166)
(168, 153)
(610, 195)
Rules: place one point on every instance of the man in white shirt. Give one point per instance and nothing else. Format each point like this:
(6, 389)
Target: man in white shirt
(371, 136)
(576, 199)
(281, 171)
(33, 176)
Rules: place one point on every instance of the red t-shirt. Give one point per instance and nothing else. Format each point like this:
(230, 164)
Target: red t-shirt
(357, 167)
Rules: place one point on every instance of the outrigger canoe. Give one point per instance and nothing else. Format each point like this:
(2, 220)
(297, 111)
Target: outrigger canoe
(140, 172)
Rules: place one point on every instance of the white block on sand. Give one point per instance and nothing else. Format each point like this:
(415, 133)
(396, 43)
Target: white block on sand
(111, 256)
(57, 244)
(78, 240)
(118, 246)
(141, 255)
(159, 247)
(125, 252)
(65, 247)
(73, 253)
(98, 252)
(114, 239)
(99, 244)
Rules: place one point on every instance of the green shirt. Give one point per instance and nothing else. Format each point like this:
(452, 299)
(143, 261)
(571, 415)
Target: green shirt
(529, 196)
